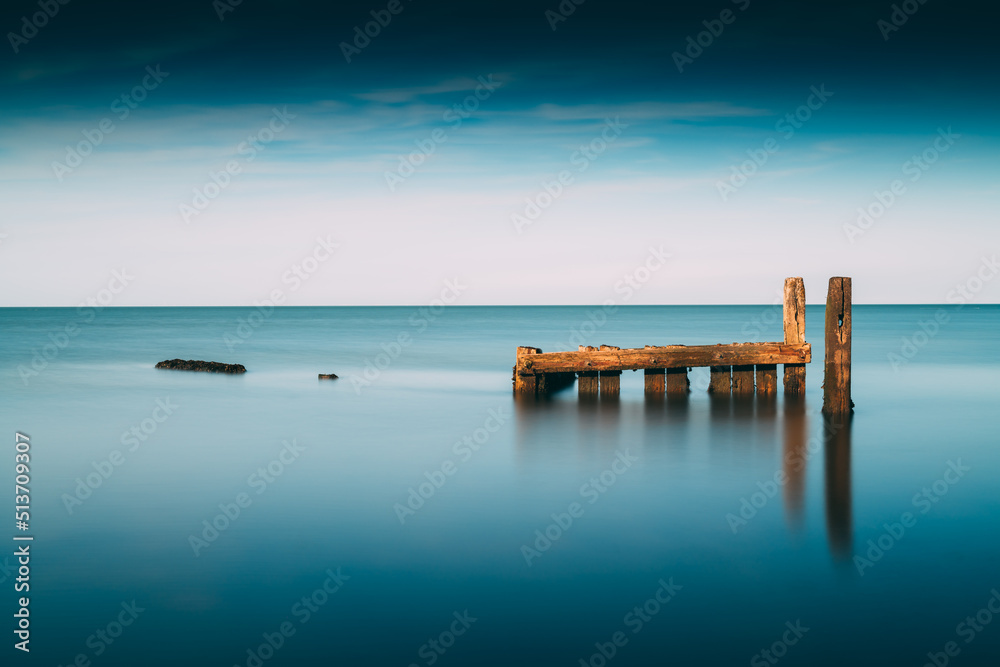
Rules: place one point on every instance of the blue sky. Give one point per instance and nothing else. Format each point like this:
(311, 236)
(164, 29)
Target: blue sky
(491, 107)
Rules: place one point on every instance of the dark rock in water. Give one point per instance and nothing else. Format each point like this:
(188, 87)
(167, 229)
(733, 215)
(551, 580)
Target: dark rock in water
(327, 376)
(206, 366)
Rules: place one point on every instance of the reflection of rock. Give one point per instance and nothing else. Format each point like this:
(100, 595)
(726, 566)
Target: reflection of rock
(327, 376)
(206, 366)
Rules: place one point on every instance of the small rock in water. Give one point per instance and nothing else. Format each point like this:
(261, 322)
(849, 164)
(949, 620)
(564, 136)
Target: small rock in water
(205, 366)
(327, 376)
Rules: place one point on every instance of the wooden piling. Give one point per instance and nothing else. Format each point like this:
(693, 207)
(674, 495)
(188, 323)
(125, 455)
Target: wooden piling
(795, 332)
(525, 385)
(742, 380)
(737, 368)
(610, 383)
(677, 381)
(655, 380)
(720, 381)
(767, 379)
(837, 366)
(587, 383)
(610, 380)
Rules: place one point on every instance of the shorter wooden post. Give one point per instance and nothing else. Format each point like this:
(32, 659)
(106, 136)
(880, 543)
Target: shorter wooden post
(677, 381)
(743, 380)
(610, 380)
(525, 385)
(837, 366)
(610, 383)
(654, 380)
(587, 383)
(795, 332)
(720, 381)
(767, 379)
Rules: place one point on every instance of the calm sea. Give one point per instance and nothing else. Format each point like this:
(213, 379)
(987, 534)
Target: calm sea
(412, 513)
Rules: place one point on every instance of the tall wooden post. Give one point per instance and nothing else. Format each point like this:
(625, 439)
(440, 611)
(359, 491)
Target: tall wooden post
(795, 332)
(837, 366)
(525, 385)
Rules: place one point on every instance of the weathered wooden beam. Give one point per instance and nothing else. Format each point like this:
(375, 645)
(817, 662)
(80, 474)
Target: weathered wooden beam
(743, 380)
(677, 381)
(670, 356)
(720, 380)
(795, 332)
(525, 385)
(837, 366)
(767, 379)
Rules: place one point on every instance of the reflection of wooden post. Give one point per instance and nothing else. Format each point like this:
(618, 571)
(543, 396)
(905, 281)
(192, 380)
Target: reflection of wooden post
(837, 369)
(525, 385)
(677, 381)
(767, 379)
(720, 381)
(839, 522)
(795, 332)
(796, 456)
(743, 380)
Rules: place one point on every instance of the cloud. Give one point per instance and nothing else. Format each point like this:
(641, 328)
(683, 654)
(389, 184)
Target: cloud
(402, 95)
(646, 111)
(58, 65)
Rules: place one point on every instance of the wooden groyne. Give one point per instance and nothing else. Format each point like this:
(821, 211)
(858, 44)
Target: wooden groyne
(837, 342)
(737, 368)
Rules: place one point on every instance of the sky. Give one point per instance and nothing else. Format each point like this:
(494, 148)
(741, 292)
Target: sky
(528, 151)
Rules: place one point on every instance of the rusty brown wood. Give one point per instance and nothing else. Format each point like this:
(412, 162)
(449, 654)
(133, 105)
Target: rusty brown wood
(670, 356)
(794, 314)
(720, 380)
(837, 366)
(677, 381)
(525, 385)
(587, 383)
(767, 379)
(610, 383)
(743, 380)
(654, 380)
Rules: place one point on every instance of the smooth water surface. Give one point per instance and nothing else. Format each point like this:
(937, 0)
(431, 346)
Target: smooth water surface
(420, 483)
